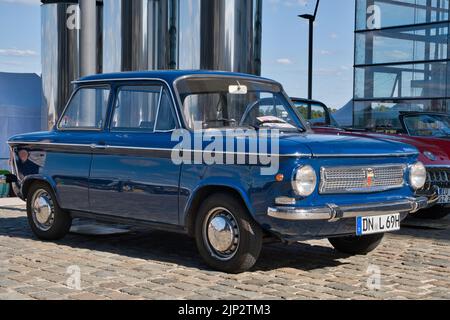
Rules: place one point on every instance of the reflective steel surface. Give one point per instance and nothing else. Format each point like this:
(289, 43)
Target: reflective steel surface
(88, 37)
(146, 35)
(190, 34)
(220, 35)
(140, 35)
(112, 39)
(42, 210)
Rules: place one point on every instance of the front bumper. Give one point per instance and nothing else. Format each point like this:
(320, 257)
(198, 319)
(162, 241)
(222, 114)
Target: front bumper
(333, 212)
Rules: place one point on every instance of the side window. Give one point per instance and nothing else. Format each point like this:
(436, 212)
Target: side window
(86, 110)
(143, 108)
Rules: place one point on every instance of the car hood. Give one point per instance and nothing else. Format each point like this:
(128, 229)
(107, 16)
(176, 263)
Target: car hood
(324, 145)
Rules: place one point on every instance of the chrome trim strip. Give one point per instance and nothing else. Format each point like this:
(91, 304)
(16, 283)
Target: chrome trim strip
(296, 155)
(14, 168)
(376, 155)
(152, 149)
(11, 143)
(333, 212)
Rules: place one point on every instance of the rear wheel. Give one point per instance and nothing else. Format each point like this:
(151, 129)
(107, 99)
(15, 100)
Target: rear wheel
(47, 220)
(434, 213)
(357, 245)
(227, 237)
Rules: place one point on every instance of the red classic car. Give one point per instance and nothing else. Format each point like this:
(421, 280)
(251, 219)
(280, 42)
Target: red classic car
(429, 132)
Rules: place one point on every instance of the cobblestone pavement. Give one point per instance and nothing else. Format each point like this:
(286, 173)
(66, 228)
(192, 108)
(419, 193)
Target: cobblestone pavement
(414, 264)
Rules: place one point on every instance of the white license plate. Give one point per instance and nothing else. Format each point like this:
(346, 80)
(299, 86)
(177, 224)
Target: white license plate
(444, 195)
(377, 224)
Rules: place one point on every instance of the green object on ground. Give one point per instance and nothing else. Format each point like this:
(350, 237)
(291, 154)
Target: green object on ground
(4, 187)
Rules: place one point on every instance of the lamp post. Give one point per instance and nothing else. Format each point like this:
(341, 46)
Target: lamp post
(311, 18)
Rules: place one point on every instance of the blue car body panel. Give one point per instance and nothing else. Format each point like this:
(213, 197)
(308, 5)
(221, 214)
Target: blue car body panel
(138, 174)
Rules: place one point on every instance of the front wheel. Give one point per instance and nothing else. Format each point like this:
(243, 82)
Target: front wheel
(357, 245)
(227, 238)
(47, 220)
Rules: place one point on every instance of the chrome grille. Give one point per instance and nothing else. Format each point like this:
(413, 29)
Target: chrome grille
(361, 179)
(439, 177)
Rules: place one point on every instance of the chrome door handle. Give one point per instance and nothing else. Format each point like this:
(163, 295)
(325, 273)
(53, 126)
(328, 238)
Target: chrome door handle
(99, 146)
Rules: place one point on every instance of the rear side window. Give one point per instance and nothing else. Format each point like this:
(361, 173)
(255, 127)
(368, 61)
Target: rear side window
(143, 108)
(86, 110)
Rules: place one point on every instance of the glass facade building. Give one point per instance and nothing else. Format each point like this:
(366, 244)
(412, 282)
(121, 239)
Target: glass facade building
(401, 60)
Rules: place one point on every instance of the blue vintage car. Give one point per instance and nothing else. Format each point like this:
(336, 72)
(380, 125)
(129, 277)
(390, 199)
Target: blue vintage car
(223, 157)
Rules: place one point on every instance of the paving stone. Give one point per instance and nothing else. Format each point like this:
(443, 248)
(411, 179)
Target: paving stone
(414, 264)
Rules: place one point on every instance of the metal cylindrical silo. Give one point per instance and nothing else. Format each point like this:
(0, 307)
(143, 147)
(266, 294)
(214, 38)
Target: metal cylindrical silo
(139, 35)
(147, 35)
(60, 57)
(220, 35)
(189, 35)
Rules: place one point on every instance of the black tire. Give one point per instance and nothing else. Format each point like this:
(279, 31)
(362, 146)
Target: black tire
(434, 213)
(250, 234)
(357, 245)
(12, 193)
(58, 226)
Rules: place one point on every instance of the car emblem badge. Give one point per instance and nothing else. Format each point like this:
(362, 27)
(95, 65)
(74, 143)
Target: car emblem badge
(370, 175)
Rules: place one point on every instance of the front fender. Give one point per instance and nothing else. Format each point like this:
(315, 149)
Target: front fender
(226, 183)
(198, 182)
(29, 180)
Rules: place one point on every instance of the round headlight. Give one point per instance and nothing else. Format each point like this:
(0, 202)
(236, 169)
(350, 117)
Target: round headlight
(417, 175)
(305, 181)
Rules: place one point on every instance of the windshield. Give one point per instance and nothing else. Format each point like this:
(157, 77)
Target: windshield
(226, 102)
(428, 125)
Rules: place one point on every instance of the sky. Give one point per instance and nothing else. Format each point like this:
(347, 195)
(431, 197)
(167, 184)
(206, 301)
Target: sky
(285, 43)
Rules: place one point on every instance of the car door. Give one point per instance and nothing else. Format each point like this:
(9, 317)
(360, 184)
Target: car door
(68, 157)
(132, 174)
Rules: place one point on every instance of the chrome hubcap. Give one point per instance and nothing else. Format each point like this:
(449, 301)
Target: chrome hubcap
(221, 234)
(42, 210)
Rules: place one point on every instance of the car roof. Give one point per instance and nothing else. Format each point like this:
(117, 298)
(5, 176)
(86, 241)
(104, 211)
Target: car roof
(167, 75)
